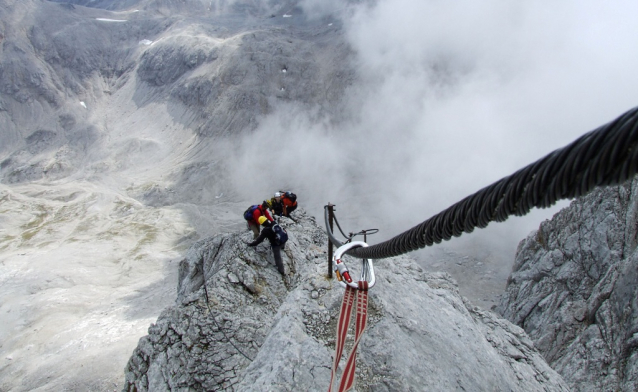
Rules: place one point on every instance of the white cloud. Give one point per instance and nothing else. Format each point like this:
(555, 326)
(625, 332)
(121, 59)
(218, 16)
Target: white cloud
(456, 95)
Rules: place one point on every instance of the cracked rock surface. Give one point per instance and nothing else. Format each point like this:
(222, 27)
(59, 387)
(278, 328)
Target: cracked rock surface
(238, 325)
(574, 290)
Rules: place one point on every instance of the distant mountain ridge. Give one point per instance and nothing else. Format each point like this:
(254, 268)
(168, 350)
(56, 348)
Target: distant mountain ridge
(215, 72)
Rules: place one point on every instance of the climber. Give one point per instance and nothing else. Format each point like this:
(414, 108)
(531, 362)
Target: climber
(275, 204)
(289, 200)
(252, 215)
(277, 237)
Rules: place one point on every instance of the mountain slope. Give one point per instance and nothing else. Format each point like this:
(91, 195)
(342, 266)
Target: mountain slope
(115, 128)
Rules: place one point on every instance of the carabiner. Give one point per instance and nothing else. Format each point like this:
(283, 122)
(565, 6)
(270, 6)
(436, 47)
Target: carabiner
(343, 275)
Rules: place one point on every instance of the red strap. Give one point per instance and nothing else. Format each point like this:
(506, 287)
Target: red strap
(361, 297)
(342, 329)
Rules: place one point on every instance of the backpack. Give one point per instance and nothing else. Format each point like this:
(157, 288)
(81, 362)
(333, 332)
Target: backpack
(248, 214)
(280, 233)
(291, 196)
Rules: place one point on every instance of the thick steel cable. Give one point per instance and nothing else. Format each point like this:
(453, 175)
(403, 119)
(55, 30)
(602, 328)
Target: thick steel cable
(607, 155)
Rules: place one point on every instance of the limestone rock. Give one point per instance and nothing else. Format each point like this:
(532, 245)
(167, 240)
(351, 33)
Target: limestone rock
(574, 289)
(238, 325)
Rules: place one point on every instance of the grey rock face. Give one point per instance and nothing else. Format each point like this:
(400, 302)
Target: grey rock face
(166, 61)
(574, 289)
(216, 69)
(47, 72)
(229, 83)
(238, 325)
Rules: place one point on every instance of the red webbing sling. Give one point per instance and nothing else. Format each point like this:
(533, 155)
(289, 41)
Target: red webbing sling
(356, 293)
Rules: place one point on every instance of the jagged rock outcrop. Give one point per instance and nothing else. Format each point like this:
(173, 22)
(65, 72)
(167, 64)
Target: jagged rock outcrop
(574, 289)
(237, 325)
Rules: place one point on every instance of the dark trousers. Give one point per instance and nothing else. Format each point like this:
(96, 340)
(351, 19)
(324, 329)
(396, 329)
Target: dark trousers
(276, 251)
(290, 209)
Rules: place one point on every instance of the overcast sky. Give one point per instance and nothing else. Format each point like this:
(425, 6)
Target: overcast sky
(455, 95)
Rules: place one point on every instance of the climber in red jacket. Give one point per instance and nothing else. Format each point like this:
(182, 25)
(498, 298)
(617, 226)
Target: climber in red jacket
(253, 224)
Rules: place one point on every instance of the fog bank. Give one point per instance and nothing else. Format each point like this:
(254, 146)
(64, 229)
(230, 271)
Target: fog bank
(451, 97)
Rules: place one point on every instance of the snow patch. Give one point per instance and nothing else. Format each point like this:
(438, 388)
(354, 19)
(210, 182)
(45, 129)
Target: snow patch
(83, 104)
(146, 42)
(110, 20)
(287, 16)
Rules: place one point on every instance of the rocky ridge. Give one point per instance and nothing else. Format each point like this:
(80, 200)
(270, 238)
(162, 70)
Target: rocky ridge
(238, 326)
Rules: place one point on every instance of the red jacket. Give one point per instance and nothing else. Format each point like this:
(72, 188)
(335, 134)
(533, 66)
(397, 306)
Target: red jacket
(259, 211)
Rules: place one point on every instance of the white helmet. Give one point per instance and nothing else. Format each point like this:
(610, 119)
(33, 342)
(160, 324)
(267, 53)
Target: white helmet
(277, 194)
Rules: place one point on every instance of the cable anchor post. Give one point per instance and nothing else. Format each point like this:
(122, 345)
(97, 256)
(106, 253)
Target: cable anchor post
(331, 217)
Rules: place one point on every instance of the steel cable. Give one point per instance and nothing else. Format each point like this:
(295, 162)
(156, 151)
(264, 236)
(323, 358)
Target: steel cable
(607, 155)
